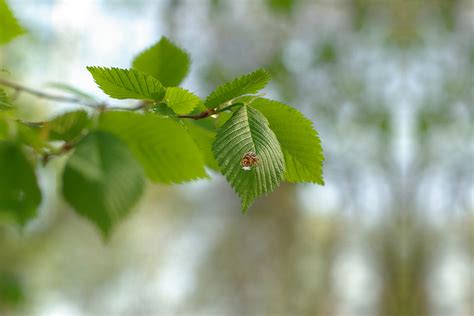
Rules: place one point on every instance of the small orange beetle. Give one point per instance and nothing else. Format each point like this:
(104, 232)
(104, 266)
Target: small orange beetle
(249, 160)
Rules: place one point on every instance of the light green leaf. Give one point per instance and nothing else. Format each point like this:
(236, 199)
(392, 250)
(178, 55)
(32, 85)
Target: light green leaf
(30, 134)
(5, 103)
(246, 84)
(102, 180)
(20, 195)
(204, 138)
(127, 83)
(247, 132)
(68, 125)
(9, 26)
(162, 145)
(164, 61)
(299, 141)
(181, 100)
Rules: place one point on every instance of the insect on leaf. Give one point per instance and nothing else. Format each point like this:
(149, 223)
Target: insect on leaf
(245, 134)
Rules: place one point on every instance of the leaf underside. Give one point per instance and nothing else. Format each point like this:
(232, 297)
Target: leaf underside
(102, 180)
(247, 131)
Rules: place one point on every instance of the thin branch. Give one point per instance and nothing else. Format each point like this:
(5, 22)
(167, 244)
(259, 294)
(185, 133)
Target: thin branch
(40, 94)
(103, 106)
(203, 114)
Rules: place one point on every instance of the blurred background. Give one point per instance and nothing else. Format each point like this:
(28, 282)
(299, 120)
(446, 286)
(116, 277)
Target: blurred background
(389, 85)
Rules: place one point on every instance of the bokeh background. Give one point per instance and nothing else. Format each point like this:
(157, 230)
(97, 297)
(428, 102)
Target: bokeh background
(389, 85)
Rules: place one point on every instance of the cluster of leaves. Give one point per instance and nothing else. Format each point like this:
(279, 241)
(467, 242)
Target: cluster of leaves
(170, 136)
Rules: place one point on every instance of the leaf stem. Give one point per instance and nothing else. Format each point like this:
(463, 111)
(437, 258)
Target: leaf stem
(203, 114)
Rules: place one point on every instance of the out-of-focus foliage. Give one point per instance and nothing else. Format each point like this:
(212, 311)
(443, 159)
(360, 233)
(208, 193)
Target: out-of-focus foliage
(9, 26)
(19, 192)
(5, 103)
(165, 61)
(388, 84)
(158, 138)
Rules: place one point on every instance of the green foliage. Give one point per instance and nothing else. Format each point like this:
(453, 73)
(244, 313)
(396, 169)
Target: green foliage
(299, 141)
(11, 289)
(164, 61)
(5, 103)
(181, 100)
(170, 136)
(102, 180)
(127, 83)
(247, 131)
(67, 126)
(247, 84)
(9, 26)
(20, 195)
(162, 145)
(204, 138)
(30, 135)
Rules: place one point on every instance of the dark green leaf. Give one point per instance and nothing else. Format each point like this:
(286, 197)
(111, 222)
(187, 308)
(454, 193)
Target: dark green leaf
(245, 133)
(20, 195)
(102, 180)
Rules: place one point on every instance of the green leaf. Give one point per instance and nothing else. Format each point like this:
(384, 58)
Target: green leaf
(127, 83)
(12, 292)
(299, 141)
(181, 100)
(164, 61)
(247, 132)
(246, 84)
(9, 26)
(162, 145)
(4, 128)
(20, 195)
(67, 126)
(30, 134)
(204, 138)
(163, 110)
(102, 180)
(5, 103)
